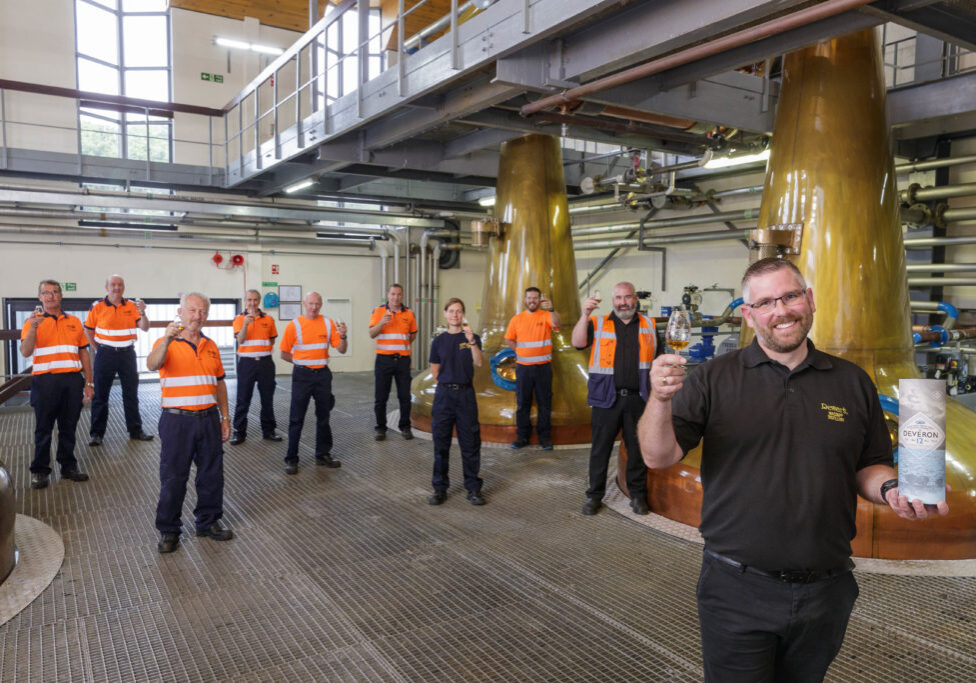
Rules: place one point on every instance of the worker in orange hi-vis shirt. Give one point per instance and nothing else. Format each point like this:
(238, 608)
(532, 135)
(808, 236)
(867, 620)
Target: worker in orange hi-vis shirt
(255, 332)
(61, 382)
(305, 343)
(111, 328)
(529, 334)
(394, 327)
(193, 425)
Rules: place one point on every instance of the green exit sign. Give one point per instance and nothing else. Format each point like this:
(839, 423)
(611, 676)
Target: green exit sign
(213, 78)
(269, 284)
(70, 286)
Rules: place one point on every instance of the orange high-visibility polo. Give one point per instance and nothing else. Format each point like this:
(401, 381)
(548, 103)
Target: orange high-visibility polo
(308, 341)
(394, 337)
(56, 344)
(259, 338)
(113, 325)
(532, 334)
(189, 374)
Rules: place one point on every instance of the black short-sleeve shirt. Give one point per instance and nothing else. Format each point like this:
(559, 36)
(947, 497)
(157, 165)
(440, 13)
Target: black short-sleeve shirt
(780, 453)
(453, 353)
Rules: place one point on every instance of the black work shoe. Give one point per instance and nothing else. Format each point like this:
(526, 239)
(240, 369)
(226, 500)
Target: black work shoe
(168, 543)
(475, 498)
(591, 505)
(74, 475)
(95, 441)
(380, 435)
(141, 436)
(546, 445)
(291, 468)
(327, 461)
(519, 443)
(437, 498)
(407, 434)
(39, 481)
(238, 439)
(217, 531)
(639, 505)
(271, 436)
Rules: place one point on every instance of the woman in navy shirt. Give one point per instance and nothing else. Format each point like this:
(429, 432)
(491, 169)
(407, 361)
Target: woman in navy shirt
(453, 357)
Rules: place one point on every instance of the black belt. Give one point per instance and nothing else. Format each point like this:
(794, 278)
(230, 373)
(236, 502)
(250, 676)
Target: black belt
(628, 392)
(394, 356)
(130, 347)
(784, 575)
(195, 413)
(454, 387)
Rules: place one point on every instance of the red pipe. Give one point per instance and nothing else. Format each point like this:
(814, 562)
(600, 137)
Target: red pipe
(748, 35)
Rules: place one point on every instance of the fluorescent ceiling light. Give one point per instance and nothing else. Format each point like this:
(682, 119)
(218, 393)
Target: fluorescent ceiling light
(142, 227)
(725, 162)
(243, 45)
(487, 201)
(300, 186)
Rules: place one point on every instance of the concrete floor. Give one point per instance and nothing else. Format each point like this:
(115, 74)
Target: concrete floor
(349, 575)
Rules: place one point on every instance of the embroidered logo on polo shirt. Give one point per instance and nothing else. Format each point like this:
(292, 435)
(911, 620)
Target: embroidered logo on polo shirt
(464, 345)
(835, 413)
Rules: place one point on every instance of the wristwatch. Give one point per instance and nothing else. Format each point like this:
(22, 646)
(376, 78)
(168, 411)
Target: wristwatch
(887, 486)
(90, 384)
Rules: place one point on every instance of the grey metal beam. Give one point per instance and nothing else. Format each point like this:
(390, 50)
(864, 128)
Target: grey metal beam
(486, 138)
(945, 106)
(936, 19)
(238, 210)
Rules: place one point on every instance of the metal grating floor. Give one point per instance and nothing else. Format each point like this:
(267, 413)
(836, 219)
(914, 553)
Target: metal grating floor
(349, 575)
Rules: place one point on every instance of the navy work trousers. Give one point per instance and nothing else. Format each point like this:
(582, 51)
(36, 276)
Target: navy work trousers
(456, 408)
(308, 384)
(390, 368)
(250, 371)
(55, 398)
(109, 362)
(535, 379)
(186, 440)
(757, 628)
(605, 423)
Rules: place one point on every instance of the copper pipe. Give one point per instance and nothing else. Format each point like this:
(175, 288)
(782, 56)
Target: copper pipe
(691, 54)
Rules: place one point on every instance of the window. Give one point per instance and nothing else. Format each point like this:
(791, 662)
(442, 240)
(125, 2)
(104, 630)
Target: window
(122, 48)
(338, 57)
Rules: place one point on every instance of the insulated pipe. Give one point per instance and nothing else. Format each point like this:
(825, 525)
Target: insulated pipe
(803, 17)
(926, 242)
(916, 193)
(941, 282)
(940, 267)
(424, 306)
(715, 236)
(698, 219)
(966, 214)
(935, 163)
(167, 247)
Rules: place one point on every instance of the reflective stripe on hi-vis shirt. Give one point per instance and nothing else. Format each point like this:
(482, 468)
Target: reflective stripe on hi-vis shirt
(254, 348)
(117, 338)
(393, 342)
(189, 376)
(394, 336)
(57, 344)
(532, 334)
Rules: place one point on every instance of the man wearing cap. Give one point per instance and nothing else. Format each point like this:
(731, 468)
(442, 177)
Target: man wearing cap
(305, 344)
(61, 381)
(255, 332)
(622, 346)
(394, 327)
(529, 335)
(193, 425)
(111, 328)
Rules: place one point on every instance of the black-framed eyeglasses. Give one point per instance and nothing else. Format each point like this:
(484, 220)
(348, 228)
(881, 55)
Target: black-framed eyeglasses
(789, 299)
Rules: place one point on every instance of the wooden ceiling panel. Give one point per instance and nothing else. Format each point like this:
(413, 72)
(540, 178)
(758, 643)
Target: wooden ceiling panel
(287, 14)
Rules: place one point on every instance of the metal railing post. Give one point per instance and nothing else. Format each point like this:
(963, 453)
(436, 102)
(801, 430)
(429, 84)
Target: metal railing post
(455, 57)
(401, 72)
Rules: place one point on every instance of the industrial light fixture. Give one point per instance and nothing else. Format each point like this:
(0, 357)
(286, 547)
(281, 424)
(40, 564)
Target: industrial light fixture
(726, 162)
(244, 45)
(308, 182)
(487, 201)
(142, 227)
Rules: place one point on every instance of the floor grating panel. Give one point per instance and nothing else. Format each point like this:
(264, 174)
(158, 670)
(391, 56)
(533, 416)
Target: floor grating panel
(348, 575)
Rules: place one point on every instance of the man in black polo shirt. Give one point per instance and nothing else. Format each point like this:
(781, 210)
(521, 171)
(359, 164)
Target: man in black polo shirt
(621, 350)
(791, 436)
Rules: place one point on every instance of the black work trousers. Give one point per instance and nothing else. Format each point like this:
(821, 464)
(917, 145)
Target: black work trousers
(190, 440)
(456, 407)
(109, 362)
(250, 371)
(758, 628)
(308, 384)
(605, 424)
(529, 380)
(56, 399)
(390, 368)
